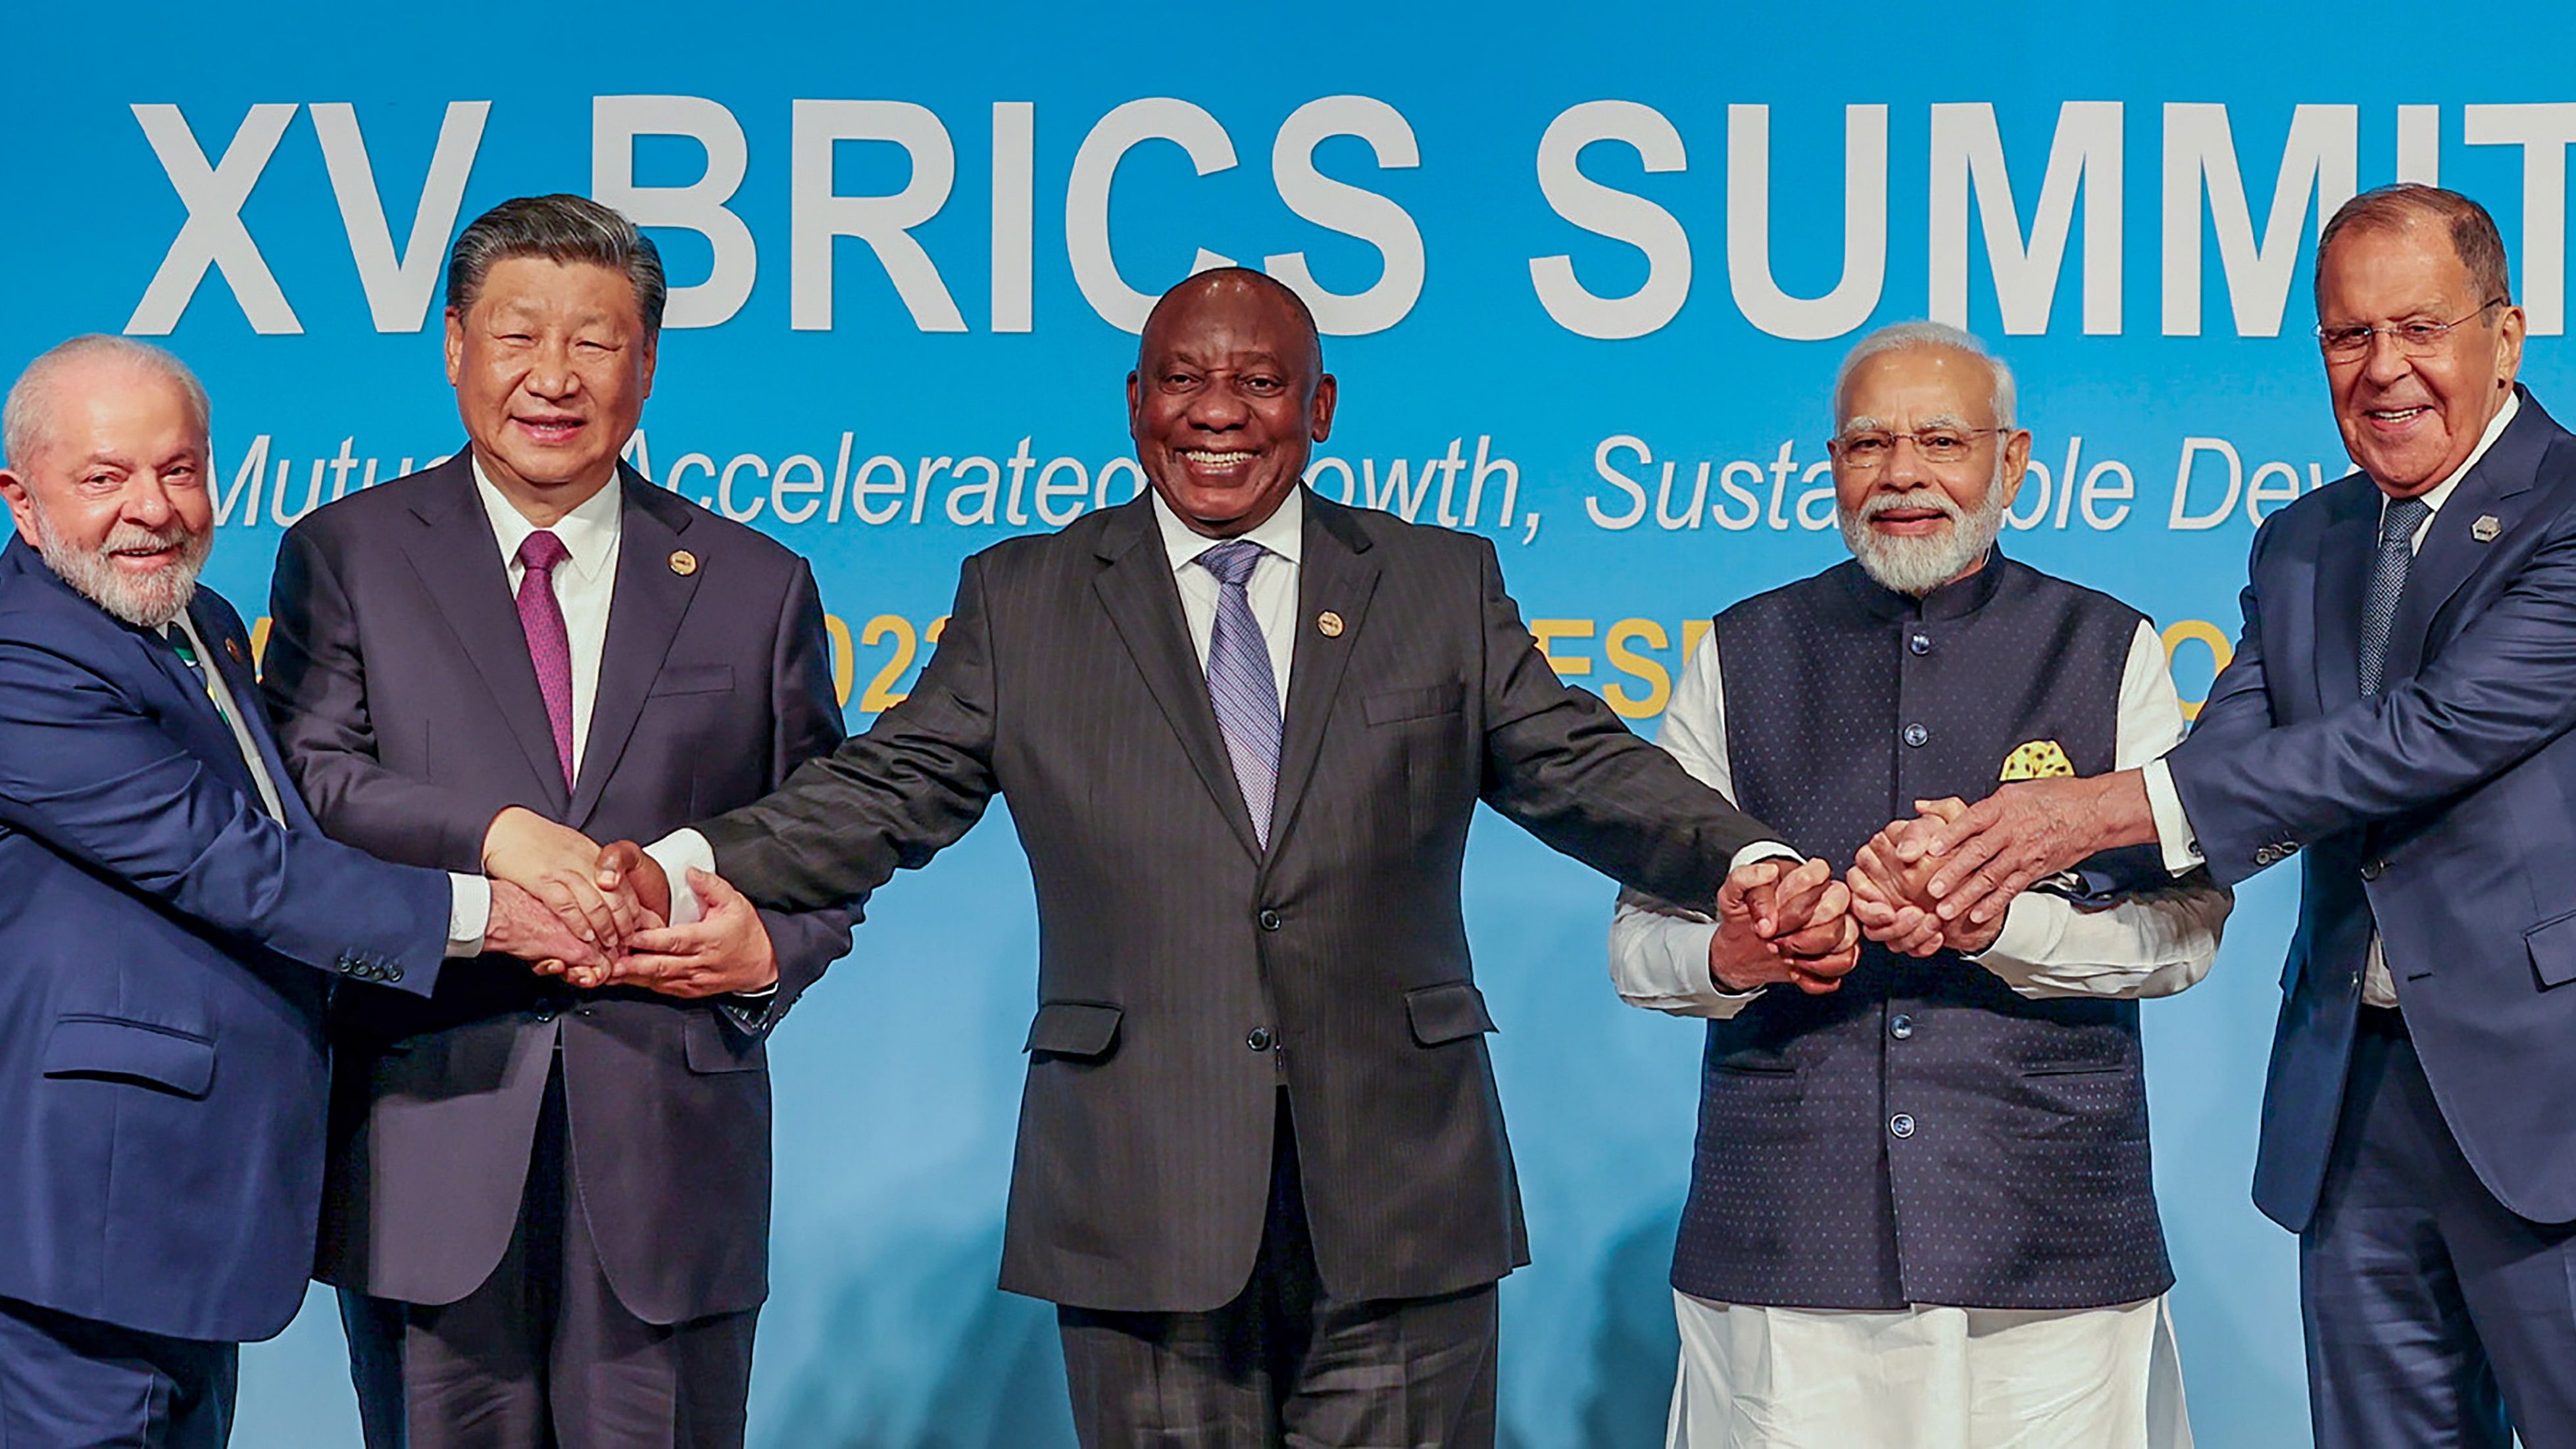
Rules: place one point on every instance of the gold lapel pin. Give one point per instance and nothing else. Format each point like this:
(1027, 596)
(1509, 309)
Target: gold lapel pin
(1329, 624)
(233, 648)
(2486, 528)
(683, 562)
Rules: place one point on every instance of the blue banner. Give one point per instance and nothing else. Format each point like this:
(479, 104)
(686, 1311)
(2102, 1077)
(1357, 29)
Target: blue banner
(1585, 273)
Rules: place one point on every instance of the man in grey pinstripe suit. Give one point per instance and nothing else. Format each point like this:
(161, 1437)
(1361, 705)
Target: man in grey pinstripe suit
(1261, 1162)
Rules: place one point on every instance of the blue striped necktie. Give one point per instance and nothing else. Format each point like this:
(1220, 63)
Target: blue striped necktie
(1241, 683)
(2387, 585)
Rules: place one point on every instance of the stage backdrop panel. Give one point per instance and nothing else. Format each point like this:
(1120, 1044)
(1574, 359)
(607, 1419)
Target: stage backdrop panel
(1586, 272)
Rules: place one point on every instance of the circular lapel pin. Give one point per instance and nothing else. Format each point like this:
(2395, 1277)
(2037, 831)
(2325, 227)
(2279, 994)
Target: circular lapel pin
(233, 648)
(1329, 624)
(683, 562)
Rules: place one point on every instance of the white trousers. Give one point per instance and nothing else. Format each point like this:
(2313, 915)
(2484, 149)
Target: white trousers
(1927, 1378)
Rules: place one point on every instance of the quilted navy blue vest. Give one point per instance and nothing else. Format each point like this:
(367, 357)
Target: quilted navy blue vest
(1924, 1134)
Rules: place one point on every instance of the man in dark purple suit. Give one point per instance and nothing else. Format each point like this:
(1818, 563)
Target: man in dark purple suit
(550, 1207)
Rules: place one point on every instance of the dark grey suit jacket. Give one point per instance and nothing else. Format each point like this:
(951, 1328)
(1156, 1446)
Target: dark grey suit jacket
(1174, 952)
(398, 676)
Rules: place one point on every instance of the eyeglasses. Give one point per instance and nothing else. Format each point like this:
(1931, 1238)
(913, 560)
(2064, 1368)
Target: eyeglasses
(2413, 339)
(1867, 450)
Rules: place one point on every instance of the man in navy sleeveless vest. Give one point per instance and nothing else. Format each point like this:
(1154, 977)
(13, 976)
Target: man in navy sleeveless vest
(2401, 714)
(1920, 1210)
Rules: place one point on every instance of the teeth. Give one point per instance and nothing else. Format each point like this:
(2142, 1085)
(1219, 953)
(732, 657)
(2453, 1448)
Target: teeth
(2396, 415)
(1215, 460)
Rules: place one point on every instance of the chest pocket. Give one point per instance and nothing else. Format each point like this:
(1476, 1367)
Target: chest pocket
(1431, 701)
(694, 679)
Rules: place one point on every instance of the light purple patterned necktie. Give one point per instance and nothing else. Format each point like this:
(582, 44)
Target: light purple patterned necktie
(1241, 683)
(549, 643)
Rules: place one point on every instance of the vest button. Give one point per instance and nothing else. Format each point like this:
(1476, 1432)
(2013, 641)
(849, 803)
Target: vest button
(1902, 1124)
(1258, 1039)
(1901, 1028)
(1920, 643)
(1916, 734)
(1269, 920)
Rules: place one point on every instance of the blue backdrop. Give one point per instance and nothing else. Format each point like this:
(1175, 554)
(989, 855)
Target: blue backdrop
(1588, 271)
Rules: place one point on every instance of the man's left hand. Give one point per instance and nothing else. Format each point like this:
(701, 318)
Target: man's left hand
(2023, 833)
(727, 949)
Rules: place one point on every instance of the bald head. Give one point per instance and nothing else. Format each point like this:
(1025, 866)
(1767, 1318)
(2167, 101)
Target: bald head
(1201, 288)
(27, 419)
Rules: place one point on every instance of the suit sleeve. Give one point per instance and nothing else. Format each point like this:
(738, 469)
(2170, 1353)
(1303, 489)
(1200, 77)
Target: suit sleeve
(846, 821)
(314, 680)
(807, 726)
(1560, 763)
(2501, 690)
(85, 769)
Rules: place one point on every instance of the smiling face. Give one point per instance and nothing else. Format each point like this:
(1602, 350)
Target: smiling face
(1915, 523)
(1227, 400)
(2410, 422)
(114, 494)
(551, 365)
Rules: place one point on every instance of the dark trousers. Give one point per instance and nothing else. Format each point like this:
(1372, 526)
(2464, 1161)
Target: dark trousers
(1286, 1365)
(2435, 1316)
(70, 1383)
(543, 1355)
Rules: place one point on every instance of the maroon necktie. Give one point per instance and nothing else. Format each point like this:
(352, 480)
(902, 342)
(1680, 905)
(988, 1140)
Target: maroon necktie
(549, 644)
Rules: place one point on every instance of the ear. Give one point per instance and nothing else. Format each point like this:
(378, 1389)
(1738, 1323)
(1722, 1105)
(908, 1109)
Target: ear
(1327, 392)
(2016, 462)
(2509, 334)
(652, 356)
(22, 503)
(455, 346)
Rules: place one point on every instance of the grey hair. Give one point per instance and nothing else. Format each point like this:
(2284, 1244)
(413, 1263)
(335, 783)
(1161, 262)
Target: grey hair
(26, 417)
(1903, 335)
(560, 228)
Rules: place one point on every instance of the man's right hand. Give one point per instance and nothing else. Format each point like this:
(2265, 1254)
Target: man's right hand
(622, 866)
(1778, 924)
(528, 928)
(555, 863)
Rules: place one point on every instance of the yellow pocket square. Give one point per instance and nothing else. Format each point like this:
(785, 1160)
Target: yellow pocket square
(2037, 760)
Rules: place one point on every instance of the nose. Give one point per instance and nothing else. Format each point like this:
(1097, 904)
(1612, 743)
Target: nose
(550, 374)
(1905, 467)
(1217, 409)
(2386, 362)
(146, 501)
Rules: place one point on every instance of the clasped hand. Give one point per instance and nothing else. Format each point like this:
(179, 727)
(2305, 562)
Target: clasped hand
(600, 916)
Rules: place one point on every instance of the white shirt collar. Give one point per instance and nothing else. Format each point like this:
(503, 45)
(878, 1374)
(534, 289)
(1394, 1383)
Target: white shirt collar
(2440, 493)
(1282, 533)
(589, 532)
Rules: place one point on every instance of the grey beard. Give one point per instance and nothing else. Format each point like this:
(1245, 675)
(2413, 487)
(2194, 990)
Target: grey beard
(146, 603)
(1917, 566)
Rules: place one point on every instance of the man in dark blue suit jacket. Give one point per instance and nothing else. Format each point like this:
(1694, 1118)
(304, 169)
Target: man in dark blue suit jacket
(2398, 714)
(171, 921)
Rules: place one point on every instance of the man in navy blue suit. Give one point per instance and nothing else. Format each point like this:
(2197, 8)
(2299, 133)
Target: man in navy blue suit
(2401, 715)
(171, 921)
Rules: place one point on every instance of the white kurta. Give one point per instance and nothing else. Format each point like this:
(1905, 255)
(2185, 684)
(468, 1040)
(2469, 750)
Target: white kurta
(1929, 1376)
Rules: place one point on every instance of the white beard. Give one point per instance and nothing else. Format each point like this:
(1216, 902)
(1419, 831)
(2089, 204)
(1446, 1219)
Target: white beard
(148, 602)
(1917, 565)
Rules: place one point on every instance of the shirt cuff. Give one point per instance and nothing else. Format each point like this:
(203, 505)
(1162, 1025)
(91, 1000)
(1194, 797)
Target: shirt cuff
(1763, 850)
(469, 913)
(2174, 835)
(2034, 923)
(676, 853)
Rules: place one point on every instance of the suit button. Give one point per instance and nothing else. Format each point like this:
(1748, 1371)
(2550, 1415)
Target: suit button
(1921, 643)
(544, 1013)
(1901, 1028)
(1269, 920)
(1902, 1124)
(393, 973)
(2265, 855)
(1258, 1039)
(1916, 734)
(2373, 869)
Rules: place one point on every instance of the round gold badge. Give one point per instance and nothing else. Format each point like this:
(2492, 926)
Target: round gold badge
(1329, 624)
(683, 562)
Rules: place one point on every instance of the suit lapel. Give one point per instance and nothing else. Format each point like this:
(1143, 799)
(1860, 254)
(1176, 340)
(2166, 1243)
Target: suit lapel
(2499, 487)
(644, 614)
(458, 559)
(2344, 564)
(1336, 576)
(1144, 603)
(231, 658)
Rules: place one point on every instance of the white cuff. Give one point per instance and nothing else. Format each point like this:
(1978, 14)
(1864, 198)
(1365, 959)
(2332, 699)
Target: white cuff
(675, 853)
(2034, 923)
(469, 913)
(2174, 835)
(1763, 850)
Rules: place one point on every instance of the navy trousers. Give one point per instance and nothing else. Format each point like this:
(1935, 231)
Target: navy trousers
(2435, 1316)
(70, 1383)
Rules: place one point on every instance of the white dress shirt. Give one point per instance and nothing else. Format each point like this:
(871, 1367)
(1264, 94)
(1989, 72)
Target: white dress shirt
(583, 582)
(1754, 1376)
(2174, 835)
(469, 897)
(2153, 944)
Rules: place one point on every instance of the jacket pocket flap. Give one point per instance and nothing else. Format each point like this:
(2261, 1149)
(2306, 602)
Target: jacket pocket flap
(1447, 1012)
(693, 679)
(1074, 1028)
(1446, 697)
(2553, 949)
(108, 1047)
(713, 1045)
